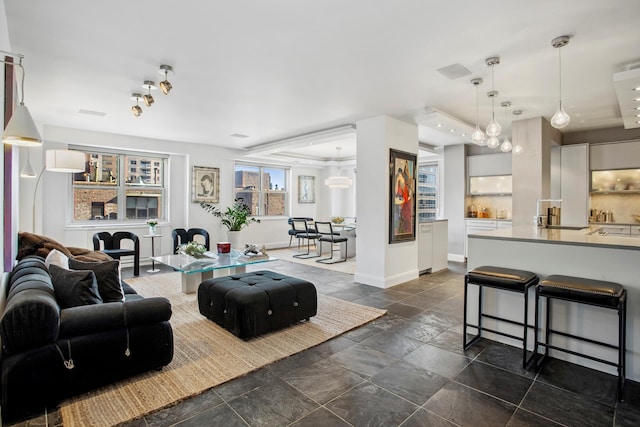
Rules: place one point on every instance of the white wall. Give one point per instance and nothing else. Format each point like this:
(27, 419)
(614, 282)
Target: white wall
(54, 192)
(453, 190)
(4, 45)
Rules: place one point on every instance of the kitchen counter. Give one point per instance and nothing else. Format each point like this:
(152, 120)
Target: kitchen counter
(587, 237)
(488, 219)
(580, 253)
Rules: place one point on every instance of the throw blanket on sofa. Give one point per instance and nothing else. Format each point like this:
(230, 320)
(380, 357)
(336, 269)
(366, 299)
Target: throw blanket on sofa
(34, 244)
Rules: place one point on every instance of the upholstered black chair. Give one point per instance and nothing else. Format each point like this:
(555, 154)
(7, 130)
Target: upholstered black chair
(182, 236)
(326, 234)
(192, 232)
(293, 232)
(111, 246)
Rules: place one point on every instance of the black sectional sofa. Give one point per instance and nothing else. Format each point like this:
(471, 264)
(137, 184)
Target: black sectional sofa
(50, 353)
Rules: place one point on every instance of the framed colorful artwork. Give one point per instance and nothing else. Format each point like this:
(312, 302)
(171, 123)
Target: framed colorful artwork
(402, 196)
(205, 184)
(306, 189)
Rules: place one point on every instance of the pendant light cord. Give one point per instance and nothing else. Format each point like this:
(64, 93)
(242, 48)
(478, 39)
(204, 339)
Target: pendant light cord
(560, 77)
(493, 111)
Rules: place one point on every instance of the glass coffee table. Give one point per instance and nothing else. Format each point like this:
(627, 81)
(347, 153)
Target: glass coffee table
(195, 270)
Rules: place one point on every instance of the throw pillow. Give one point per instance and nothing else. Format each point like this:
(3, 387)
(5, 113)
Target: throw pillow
(108, 276)
(74, 288)
(56, 257)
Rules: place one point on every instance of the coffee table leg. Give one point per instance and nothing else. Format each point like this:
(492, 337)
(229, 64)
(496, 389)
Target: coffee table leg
(190, 282)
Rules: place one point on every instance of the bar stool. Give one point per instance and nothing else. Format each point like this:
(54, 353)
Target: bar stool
(506, 279)
(591, 292)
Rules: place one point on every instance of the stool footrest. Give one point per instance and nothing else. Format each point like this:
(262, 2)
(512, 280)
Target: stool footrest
(589, 340)
(513, 322)
(575, 353)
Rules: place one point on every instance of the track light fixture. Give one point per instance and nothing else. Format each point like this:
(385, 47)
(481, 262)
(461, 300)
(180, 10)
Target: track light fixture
(148, 99)
(165, 86)
(136, 109)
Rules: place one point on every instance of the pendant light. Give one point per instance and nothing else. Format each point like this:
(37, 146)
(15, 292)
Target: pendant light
(517, 148)
(493, 129)
(560, 119)
(28, 171)
(493, 141)
(338, 181)
(21, 129)
(506, 144)
(477, 136)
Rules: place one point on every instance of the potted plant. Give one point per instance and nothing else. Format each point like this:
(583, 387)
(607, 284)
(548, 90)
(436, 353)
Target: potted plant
(235, 217)
(152, 225)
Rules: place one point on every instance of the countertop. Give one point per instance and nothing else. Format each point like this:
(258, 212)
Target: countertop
(429, 221)
(585, 237)
(488, 219)
(616, 223)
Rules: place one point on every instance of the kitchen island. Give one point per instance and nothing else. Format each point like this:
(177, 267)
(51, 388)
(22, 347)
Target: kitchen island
(581, 253)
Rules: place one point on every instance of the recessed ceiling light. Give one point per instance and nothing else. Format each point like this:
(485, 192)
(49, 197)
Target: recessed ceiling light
(637, 89)
(452, 130)
(463, 134)
(636, 99)
(439, 125)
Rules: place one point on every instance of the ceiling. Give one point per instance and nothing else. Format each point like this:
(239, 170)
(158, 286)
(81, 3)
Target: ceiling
(278, 69)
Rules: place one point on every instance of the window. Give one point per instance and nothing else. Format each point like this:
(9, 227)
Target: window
(427, 191)
(263, 188)
(98, 192)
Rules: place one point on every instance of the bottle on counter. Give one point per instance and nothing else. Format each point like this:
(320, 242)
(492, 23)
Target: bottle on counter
(473, 212)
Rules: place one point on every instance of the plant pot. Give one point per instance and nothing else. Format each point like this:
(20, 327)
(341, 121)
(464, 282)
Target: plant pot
(236, 240)
(152, 230)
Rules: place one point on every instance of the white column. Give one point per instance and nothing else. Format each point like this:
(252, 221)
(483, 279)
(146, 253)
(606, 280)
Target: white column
(379, 263)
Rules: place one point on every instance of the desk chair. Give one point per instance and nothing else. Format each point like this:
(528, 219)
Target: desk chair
(112, 247)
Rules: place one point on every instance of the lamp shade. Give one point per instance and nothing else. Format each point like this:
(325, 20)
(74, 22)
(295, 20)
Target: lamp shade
(65, 161)
(338, 182)
(21, 130)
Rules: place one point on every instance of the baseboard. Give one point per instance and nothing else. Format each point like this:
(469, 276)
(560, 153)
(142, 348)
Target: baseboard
(385, 282)
(456, 258)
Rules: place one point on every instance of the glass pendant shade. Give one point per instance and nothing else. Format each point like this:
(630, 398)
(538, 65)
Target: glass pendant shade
(477, 136)
(560, 119)
(494, 128)
(506, 145)
(493, 142)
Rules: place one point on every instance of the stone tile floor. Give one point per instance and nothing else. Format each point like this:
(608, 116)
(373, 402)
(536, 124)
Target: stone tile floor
(406, 368)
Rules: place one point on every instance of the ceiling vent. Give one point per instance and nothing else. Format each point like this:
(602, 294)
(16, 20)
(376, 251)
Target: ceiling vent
(627, 84)
(454, 71)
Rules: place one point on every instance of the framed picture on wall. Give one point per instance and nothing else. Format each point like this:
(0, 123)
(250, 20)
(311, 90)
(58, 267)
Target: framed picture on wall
(306, 189)
(205, 184)
(402, 196)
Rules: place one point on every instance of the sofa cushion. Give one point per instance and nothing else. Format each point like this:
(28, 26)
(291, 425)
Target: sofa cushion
(57, 258)
(108, 277)
(74, 287)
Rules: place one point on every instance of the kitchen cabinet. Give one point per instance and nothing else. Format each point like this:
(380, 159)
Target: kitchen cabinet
(473, 226)
(570, 182)
(617, 181)
(433, 243)
(616, 155)
(489, 164)
(635, 230)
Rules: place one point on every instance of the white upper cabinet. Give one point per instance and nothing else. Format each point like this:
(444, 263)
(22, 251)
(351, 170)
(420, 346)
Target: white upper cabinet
(489, 164)
(618, 155)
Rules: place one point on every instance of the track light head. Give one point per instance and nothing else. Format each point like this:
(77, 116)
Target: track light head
(136, 109)
(165, 85)
(148, 99)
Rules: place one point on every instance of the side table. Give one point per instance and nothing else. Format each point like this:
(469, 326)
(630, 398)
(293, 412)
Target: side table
(153, 254)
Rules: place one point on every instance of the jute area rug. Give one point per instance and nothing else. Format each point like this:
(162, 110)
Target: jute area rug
(205, 355)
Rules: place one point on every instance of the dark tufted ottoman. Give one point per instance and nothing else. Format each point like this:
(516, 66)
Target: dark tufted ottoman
(251, 304)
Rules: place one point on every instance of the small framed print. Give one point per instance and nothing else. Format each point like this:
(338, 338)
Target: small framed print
(205, 184)
(306, 189)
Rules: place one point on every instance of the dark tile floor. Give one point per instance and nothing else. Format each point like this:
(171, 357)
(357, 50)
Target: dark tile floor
(406, 368)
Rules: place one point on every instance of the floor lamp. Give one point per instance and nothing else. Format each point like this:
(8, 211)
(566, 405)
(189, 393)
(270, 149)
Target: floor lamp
(58, 161)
